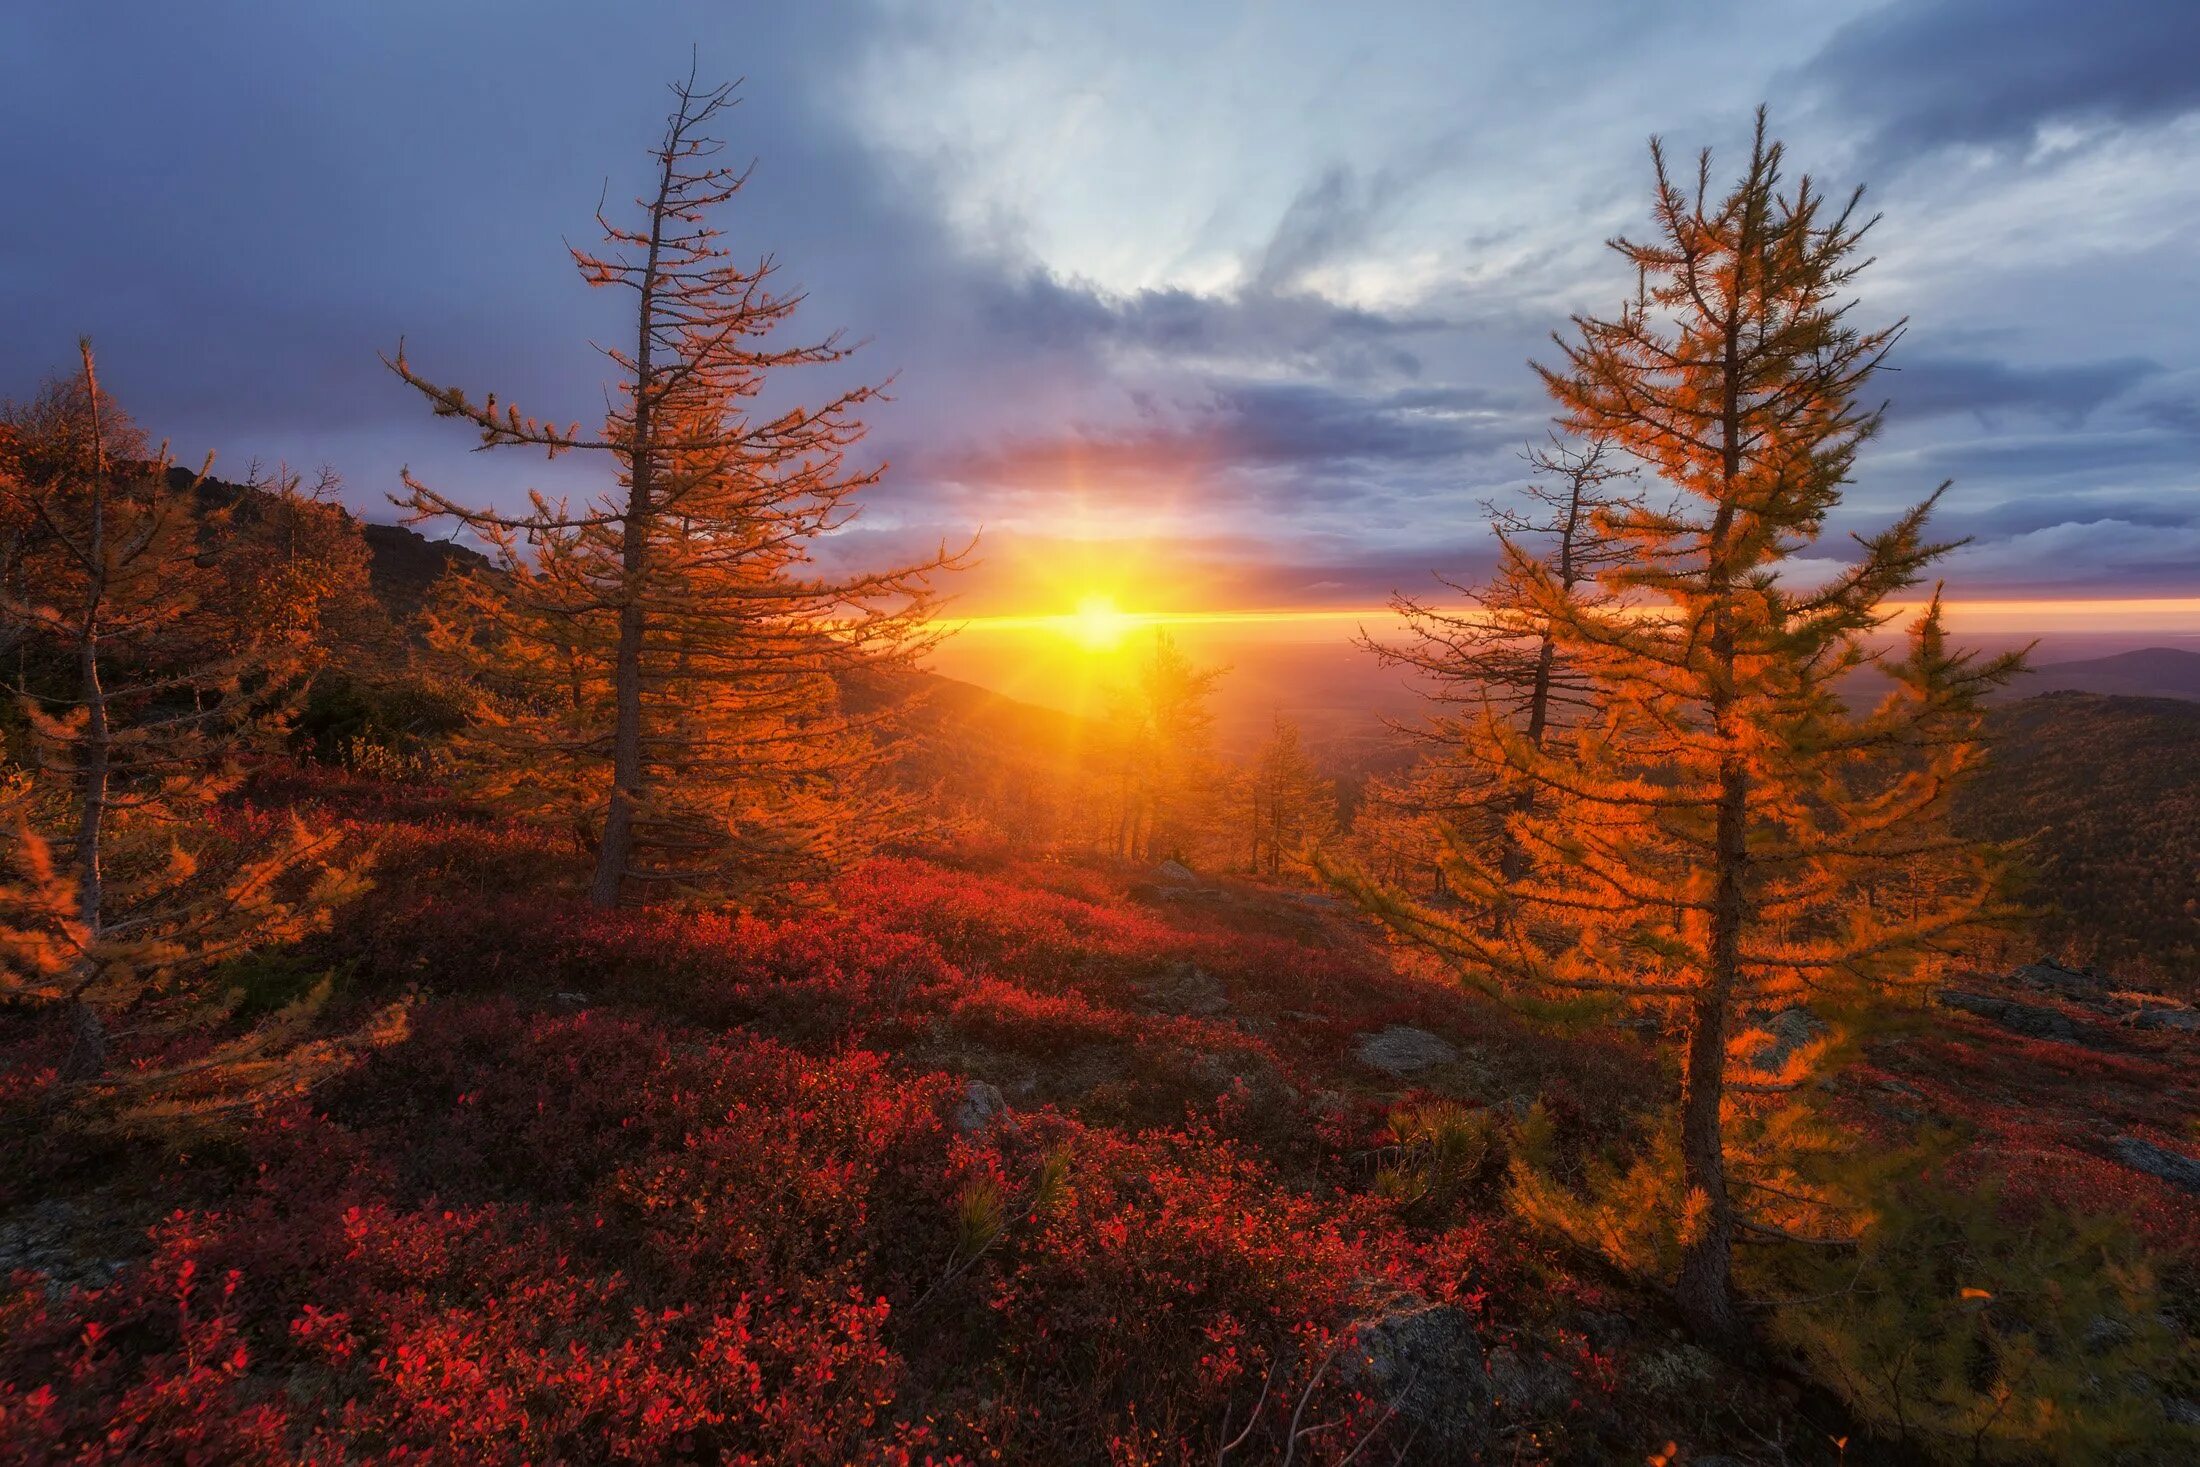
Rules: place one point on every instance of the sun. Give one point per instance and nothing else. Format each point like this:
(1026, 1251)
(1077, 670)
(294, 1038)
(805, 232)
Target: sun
(1099, 623)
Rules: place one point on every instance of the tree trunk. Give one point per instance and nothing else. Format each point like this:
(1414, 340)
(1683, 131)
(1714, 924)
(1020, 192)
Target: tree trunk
(617, 850)
(616, 853)
(1705, 1289)
(88, 1056)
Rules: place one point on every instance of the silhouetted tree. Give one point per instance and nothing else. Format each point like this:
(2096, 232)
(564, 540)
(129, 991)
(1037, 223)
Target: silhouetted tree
(669, 664)
(1291, 805)
(1699, 846)
(1162, 746)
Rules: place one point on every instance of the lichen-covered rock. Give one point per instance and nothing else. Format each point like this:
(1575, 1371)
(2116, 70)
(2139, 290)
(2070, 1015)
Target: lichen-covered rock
(1426, 1360)
(1529, 1387)
(2030, 1020)
(1402, 1049)
(982, 1104)
(2052, 976)
(2152, 1017)
(2156, 1161)
(1187, 989)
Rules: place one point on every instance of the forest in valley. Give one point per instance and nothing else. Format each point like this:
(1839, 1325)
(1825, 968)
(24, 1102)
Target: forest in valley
(565, 980)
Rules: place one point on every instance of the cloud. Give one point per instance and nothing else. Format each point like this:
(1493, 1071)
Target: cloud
(2069, 394)
(1230, 432)
(1922, 75)
(1329, 215)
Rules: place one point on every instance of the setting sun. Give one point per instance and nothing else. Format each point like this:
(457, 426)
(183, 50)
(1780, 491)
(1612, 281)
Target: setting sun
(1099, 624)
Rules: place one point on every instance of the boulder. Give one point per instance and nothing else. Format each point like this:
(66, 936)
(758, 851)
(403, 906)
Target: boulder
(981, 1105)
(2053, 977)
(2150, 1017)
(2030, 1020)
(1529, 1387)
(1402, 1049)
(2155, 1161)
(1174, 872)
(1187, 989)
(1426, 1360)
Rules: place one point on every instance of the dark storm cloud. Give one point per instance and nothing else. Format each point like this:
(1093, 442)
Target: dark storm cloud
(1037, 309)
(2069, 394)
(1318, 430)
(1924, 74)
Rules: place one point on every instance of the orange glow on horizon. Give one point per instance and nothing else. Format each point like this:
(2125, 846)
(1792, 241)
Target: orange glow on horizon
(1100, 625)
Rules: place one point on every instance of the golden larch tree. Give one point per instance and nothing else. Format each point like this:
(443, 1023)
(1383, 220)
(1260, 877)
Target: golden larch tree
(153, 656)
(1491, 647)
(1160, 749)
(665, 662)
(1291, 805)
(1699, 847)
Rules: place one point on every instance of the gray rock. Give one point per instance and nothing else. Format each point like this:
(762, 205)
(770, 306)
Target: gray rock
(981, 1105)
(2145, 1156)
(2103, 1333)
(1529, 1387)
(2052, 976)
(1402, 1049)
(1174, 871)
(1187, 989)
(2187, 1020)
(2030, 1020)
(55, 1239)
(1427, 1361)
(1791, 1029)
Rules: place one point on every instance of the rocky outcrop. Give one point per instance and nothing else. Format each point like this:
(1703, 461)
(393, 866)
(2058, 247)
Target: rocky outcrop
(2031, 1020)
(2157, 1161)
(1186, 989)
(1426, 1361)
(2050, 976)
(2152, 1016)
(1402, 1049)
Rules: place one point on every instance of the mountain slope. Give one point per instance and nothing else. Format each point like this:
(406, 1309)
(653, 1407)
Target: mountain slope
(2106, 790)
(2148, 672)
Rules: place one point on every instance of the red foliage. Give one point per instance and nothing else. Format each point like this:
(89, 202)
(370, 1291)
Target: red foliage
(591, 1238)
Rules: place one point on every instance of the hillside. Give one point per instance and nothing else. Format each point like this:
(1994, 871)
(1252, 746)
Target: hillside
(2105, 791)
(402, 563)
(982, 1160)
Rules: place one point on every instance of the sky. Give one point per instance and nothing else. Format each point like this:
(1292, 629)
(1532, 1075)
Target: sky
(1209, 305)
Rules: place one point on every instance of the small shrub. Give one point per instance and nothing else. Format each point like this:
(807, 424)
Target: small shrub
(1973, 1331)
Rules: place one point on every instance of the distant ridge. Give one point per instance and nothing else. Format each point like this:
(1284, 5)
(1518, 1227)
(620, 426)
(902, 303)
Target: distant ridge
(402, 564)
(2149, 672)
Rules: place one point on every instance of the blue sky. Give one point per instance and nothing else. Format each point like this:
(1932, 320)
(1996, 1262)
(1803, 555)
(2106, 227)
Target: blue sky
(1234, 299)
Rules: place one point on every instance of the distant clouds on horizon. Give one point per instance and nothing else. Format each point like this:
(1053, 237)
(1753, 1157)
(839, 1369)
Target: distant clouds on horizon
(1257, 283)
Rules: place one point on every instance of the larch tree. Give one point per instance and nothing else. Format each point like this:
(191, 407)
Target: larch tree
(1292, 807)
(1700, 847)
(665, 661)
(154, 652)
(1490, 648)
(1161, 747)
